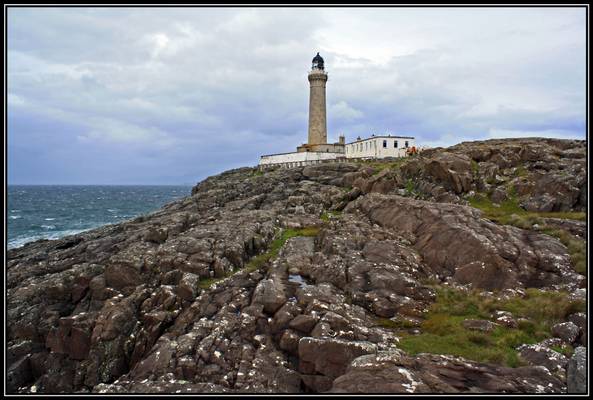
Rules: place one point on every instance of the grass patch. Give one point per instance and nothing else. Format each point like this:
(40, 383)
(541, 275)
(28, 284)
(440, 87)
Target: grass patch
(503, 213)
(328, 215)
(567, 350)
(521, 171)
(260, 260)
(206, 283)
(410, 187)
(475, 167)
(443, 332)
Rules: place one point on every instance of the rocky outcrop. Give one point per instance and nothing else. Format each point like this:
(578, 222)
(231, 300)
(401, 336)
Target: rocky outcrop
(486, 255)
(207, 295)
(392, 372)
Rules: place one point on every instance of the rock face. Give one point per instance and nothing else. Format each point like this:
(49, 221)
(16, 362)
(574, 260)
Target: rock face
(577, 371)
(180, 301)
(391, 372)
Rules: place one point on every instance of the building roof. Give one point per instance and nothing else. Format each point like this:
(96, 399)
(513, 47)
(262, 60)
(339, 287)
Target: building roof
(382, 136)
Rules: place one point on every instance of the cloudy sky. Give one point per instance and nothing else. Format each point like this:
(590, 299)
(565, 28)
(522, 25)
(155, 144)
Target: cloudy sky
(170, 96)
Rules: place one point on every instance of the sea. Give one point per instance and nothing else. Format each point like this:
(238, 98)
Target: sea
(51, 212)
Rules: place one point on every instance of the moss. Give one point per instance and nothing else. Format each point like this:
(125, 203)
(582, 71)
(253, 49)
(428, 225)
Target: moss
(260, 260)
(443, 331)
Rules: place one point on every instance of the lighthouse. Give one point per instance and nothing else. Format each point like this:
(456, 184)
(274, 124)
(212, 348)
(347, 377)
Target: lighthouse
(318, 150)
(317, 113)
(317, 138)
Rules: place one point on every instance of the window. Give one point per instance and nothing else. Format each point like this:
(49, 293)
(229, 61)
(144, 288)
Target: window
(406, 143)
(395, 144)
(385, 144)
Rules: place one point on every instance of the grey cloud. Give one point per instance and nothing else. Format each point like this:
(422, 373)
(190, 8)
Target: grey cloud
(174, 95)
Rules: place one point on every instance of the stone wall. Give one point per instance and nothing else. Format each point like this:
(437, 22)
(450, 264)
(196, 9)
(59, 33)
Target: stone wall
(299, 159)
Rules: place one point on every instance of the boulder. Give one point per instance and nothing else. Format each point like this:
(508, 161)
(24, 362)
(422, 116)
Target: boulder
(156, 235)
(567, 331)
(187, 288)
(536, 354)
(329, 356)
(270, 294)
(303, 323)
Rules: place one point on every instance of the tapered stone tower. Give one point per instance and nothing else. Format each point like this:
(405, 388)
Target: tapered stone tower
(317, 114)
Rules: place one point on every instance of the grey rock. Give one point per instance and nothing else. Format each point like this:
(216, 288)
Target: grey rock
(576, 373)
(567, 331)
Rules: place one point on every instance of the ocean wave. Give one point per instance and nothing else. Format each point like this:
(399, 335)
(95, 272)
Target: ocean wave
(15, 217)
(49, 219)
(21, 241)
(48, 226)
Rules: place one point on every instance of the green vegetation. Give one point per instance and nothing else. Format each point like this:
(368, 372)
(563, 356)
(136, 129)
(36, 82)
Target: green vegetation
(475, 167)
(257, 172)
(327, 215)
(510, 213)
(566, 349)
(379, 166)
(443, 332)
(577, 248)
(521, 171)
(410, 187)
(260, 260)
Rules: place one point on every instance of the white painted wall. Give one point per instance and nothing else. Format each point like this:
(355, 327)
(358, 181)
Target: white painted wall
(373, 147)
(308, 157)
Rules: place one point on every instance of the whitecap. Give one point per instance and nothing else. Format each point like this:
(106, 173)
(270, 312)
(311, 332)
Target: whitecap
(15, 217)
(49, 219)
(111, 210)
(48, 226)
(21, 241)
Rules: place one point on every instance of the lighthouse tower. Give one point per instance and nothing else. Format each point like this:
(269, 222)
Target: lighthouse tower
(317, 140)
(317, 114)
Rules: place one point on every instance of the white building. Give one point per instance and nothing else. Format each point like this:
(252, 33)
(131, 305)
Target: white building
(380, 147)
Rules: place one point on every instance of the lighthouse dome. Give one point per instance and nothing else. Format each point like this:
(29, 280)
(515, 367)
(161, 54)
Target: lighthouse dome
(318, 62)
